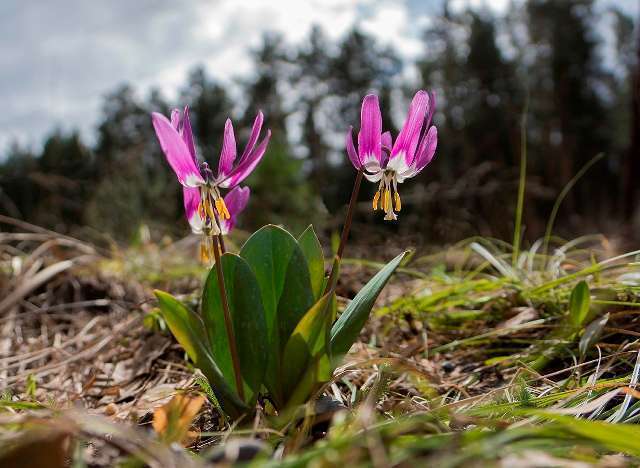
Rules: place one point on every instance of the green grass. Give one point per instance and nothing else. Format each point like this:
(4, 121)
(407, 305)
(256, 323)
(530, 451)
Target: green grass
(475, 360)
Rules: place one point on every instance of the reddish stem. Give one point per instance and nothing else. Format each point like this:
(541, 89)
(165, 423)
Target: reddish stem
(345, 230)
(228, 324)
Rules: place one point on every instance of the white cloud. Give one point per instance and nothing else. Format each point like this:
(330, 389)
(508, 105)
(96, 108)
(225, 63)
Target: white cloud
(59, 58)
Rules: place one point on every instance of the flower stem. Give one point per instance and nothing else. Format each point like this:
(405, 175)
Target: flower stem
(345, 230)
(223, 248)
(227, 322)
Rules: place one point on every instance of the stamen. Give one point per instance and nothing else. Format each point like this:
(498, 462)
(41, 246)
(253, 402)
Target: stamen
(209, 208)
(204, 253)
(224, 212)
(398, 203)
(387, 200)
(376, 197)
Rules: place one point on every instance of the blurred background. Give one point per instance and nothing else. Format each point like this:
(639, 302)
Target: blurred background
(79, 79)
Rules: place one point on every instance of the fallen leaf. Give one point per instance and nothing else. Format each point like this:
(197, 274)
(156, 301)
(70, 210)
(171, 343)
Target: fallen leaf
(173, 420)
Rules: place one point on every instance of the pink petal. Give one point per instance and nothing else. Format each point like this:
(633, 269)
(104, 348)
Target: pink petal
(253, 138)
(432, 108)
(175, 119)
(187, 133)
(386, 141)
(410, 134)
(191, 204)
(176, 152)
(228, 153)
(236, 201)
(369, 137)
(242, 170)
(427, 149)
(351, 150)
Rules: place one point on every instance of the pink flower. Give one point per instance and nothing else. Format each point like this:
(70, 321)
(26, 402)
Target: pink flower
(390, 163)
(207, 211)
(235, 201)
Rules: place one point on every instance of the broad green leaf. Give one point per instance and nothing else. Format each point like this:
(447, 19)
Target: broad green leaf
(248, 318)
(283, 276)
(312, 250)
(579, 304)
(317, 372)
(347, 328)
(308, 339)
(188, 329)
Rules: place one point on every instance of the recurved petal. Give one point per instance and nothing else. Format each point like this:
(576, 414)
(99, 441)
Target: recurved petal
(176, 152)
(253, 138)
(432, 108)
(191, 204)
(375, 177)
(228, 153)
(369, 137)
(236, 201)
(187, 133)
(386, 141)
(407, 140)
(351, 150)
(242, 170)
(175, 119)
(427, 149)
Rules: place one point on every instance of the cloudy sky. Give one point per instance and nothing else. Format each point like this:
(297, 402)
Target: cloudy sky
(58, 58)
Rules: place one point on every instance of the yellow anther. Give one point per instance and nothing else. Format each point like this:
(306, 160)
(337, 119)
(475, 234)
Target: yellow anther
(204, 253)
(225, 211)
(209, 208)
(398, 203)
(221, 208)
(376, 197)
(387, 200)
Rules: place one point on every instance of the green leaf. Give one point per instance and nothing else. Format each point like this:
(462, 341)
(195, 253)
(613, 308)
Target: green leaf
(615, 437)
(592, 334)
(248, 318)
(312, 250)
(282, 273)
(188, 329)
(579, 304)
(318, 371)
(347, 328)
(309, 339)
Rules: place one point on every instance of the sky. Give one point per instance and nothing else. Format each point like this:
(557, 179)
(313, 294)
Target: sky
(58, 59)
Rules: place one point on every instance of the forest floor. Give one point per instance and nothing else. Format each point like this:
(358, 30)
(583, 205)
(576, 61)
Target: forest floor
(473, 356)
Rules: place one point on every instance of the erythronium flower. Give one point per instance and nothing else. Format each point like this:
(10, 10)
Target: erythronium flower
(206, 209)
(390, 163)
(234, 203)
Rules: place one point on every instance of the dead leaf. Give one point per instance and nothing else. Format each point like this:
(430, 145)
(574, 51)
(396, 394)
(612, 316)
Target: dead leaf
(523, 315)
(39, 449)
(173, 420)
